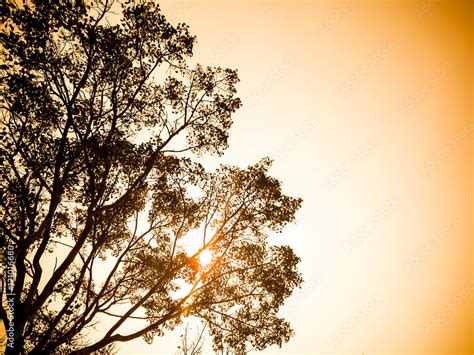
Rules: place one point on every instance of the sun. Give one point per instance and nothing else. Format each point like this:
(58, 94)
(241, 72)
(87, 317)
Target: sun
(205, 257)
(194, 243)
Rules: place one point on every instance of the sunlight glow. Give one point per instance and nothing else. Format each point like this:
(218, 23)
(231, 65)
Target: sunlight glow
(194, 241)
(205, 257)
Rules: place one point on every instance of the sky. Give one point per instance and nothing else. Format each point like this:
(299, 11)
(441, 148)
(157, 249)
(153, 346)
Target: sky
(366, 108)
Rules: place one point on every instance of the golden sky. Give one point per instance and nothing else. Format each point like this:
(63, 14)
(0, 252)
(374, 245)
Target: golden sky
(366, 107)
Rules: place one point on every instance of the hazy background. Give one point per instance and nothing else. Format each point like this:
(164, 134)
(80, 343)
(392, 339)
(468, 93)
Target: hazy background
(366, 107)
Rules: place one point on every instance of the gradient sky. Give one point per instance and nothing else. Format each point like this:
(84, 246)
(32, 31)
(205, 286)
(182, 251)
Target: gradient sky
(366, 107)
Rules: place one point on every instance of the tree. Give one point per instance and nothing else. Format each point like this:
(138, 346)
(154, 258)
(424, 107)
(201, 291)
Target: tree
(103, 122)
(190, 346)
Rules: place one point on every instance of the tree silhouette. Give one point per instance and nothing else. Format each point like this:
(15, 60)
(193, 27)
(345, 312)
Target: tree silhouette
(102, 123)
(190, 346)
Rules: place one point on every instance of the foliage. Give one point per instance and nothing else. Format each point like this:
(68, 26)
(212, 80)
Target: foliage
(101, 123)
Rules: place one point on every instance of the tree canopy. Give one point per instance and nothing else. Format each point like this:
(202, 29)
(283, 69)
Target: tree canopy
(103, 122)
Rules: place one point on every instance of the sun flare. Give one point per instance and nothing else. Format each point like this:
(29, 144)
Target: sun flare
(194, 243)
(205, 257)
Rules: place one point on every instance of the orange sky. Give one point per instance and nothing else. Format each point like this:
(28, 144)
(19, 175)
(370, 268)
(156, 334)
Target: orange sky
(366, 107)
